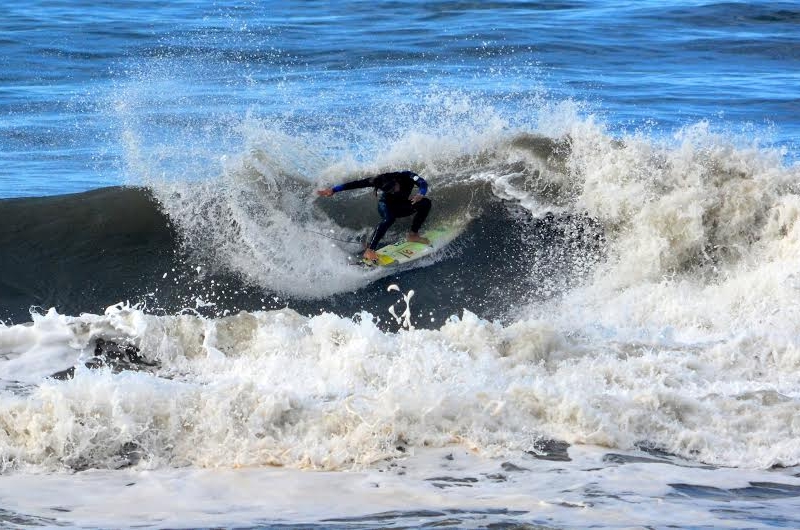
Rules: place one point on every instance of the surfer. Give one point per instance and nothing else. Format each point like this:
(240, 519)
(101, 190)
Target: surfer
(394, 201)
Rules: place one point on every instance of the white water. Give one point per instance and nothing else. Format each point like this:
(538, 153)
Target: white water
(685, 337)
(418, 490)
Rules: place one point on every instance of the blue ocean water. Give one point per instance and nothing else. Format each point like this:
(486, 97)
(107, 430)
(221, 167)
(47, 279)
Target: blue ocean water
(68, 69)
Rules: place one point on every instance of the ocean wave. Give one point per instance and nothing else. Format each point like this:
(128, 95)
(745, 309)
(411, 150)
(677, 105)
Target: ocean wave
(615, 291)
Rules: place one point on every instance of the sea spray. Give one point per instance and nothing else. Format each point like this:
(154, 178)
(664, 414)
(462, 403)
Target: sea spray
(405, 318)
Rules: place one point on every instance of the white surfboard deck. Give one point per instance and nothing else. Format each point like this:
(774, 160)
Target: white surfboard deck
(404, 251)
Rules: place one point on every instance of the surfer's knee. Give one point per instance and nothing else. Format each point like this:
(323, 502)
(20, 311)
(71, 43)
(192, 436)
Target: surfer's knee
(424, 204)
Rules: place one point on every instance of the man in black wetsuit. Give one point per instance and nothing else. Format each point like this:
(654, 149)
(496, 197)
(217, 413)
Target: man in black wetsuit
(394, 190)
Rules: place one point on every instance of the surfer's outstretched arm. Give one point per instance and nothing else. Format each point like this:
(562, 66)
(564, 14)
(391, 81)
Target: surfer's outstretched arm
(352, 185)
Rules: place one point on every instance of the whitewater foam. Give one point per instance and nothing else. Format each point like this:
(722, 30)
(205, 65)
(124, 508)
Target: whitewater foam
(677, 336)
(681, 332)
(277, 388)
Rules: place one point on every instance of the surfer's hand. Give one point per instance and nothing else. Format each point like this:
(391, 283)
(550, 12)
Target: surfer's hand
(327, 192)
(416, 198)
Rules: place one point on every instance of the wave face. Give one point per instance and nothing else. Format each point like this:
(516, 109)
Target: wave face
(77, 252)
(641, 291)
(248, 232)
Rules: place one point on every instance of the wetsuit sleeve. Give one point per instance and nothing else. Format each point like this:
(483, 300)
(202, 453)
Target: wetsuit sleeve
(421, 184)
(355, 184)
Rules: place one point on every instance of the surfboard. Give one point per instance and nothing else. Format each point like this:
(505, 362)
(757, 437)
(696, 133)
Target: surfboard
(404, 251)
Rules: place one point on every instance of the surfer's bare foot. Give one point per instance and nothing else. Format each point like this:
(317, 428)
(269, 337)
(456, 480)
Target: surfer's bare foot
(370, 255)
(414, 237)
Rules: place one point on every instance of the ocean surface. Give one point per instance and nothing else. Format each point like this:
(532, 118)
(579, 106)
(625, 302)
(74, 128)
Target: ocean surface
(613, 341)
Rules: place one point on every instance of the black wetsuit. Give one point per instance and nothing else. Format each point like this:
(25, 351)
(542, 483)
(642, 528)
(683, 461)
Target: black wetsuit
(395, 190)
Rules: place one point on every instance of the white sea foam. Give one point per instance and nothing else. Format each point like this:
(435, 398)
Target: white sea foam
(450, 486)
(683, 337)
(326, 392)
